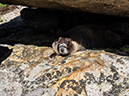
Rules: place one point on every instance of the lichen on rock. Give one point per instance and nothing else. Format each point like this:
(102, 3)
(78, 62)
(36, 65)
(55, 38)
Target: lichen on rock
(30, 70)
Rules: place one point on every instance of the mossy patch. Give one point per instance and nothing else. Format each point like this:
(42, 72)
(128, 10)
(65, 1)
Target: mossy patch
(1, 20)
(2, 5)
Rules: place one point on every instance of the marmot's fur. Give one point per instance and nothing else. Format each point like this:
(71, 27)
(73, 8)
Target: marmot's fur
(86, 36)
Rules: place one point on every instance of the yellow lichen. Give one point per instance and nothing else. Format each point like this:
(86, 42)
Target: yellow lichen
(83, 54)
(11, 48)
(128, 81)
(36, 47)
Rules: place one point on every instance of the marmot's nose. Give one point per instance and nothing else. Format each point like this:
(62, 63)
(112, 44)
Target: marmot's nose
(62, 50)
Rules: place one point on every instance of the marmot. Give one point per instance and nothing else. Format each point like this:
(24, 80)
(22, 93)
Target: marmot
(86, 36)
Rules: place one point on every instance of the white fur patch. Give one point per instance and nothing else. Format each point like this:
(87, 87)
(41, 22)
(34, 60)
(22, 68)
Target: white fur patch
(63, 44)
(64, 52)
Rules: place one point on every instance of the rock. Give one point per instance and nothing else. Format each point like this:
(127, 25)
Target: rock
(30, 71)
(9, 13)
(7, 9)
(110, 7)
(39, 19)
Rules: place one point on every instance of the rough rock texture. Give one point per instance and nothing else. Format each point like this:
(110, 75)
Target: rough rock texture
(10, 12)
(29, 71)
(7, 9)
(110, 7)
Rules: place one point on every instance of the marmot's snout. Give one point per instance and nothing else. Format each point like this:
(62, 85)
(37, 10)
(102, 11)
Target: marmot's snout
(64, 45)
(63, 51)
(63, 48)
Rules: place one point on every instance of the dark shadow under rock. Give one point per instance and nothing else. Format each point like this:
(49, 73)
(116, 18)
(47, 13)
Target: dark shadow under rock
(46, 19)
(68, 19)
(122, 28)
(4, 53)
(16, 31)
(13, 25)
(39, 19)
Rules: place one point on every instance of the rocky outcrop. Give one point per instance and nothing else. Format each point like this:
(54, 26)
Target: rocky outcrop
(30, 71)
(110, 7)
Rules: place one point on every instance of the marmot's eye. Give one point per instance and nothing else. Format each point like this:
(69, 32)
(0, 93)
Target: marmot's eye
(68, 43)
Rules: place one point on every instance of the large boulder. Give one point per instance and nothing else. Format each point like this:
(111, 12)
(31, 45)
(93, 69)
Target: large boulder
(110, 7)
(29, 71)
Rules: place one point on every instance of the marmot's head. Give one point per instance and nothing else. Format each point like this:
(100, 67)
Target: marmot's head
(63, 46)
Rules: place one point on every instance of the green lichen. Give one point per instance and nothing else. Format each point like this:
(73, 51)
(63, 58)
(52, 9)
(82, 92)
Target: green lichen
(1, 20)
(125, 49)
(2, 5)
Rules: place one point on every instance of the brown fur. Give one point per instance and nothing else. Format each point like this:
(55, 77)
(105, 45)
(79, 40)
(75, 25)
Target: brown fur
(89, 36)
(72, 46)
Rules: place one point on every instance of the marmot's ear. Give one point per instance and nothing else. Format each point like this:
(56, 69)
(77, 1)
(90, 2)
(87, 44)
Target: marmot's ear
(68, 39)
(60, 38)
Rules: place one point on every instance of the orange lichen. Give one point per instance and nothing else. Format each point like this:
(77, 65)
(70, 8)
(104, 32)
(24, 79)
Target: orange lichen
(93, 55)
(99, 69)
